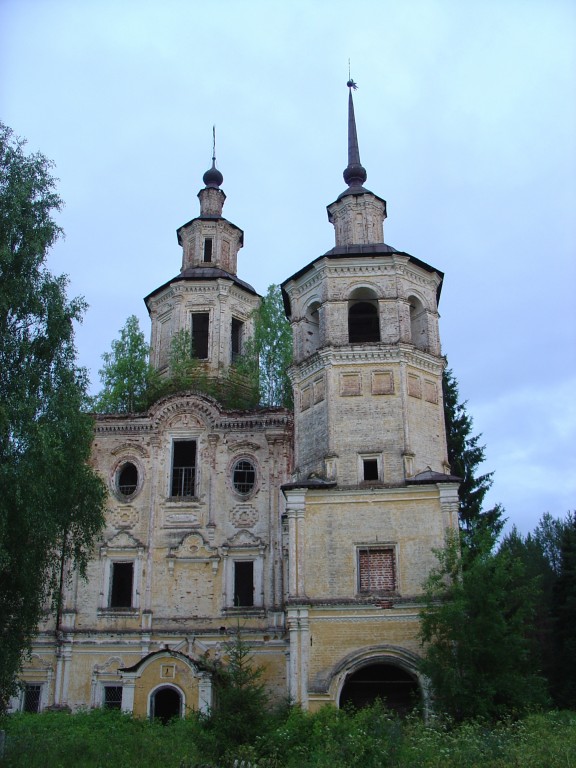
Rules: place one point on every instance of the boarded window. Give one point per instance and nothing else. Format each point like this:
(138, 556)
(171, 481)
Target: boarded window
(244, 583)
(121, 585)
(363, 323)
(200, 327)
(31, 702)
(376, 569)
(113, 697)
(236, 340)
(183, 468)
(208, 249)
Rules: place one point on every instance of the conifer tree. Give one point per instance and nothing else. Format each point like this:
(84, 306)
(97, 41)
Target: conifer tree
(465, 455)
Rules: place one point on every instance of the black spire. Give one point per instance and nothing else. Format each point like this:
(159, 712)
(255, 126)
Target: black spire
(213, 177)
(355, 174)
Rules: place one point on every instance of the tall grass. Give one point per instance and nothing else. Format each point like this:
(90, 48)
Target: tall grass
(369, 738)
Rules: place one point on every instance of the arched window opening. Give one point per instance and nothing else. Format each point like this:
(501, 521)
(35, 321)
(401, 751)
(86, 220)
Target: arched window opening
(166, 704)
(363, 322)
(127, 479)
(312, 329)
(398, 690)
(418, 324)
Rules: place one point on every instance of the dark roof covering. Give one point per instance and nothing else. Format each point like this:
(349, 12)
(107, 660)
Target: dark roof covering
(203, 273)
(343, 251)
(429, 476)
(311, 483)
(208, 218)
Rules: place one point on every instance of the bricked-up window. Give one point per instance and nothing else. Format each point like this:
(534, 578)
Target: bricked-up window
(113, 697)
(31, 700)
(244, 583)
(122, 578)
(200, 327)
(236, 338)
(208, 249)
(183, 468)
(363, 323)
(376, 569)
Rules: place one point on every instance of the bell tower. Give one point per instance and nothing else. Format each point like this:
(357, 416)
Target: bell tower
(367, 370)
(207, 298)
(371, 496)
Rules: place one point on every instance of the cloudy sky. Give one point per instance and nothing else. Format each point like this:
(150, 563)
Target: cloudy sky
(466, 117)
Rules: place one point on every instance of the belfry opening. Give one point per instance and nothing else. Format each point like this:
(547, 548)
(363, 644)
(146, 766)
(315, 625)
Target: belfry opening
(395, 687)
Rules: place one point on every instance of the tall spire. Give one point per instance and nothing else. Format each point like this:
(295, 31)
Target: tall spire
(213, 177)
(355, 174)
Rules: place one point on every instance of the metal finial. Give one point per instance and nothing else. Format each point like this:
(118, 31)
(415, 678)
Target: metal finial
(351, 84)
(213, 143)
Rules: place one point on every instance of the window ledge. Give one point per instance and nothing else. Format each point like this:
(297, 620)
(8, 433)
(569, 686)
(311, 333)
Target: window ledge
(246, 610)
(115, 613)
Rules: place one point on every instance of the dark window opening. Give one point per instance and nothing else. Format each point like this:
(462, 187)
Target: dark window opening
(244, 583)
(236, 338)
(371, 469)
(31, 701)
(208, 249)
(363, 323)
(200, 325)
(376, 569)
(121, 587)
(183, 468)
(166, 704)
(244, 476)
(397, 688)
(113, 697)
(127, 479)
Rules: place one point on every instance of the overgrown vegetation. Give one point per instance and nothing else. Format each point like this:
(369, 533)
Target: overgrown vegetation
(257, 378)
(51, 500)
(369, 738)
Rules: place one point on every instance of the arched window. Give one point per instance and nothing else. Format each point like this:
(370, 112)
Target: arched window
(363, 323)
(312, 329)
(363, 316)
(418, 324)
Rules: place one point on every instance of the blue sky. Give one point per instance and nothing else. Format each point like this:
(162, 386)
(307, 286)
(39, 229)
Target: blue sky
(466, 117)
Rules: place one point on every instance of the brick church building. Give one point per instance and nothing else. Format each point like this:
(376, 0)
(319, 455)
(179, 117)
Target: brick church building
(312, 530)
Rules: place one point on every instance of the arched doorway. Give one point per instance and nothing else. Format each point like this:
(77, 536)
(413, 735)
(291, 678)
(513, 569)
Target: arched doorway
(166, 703)
(398, 689)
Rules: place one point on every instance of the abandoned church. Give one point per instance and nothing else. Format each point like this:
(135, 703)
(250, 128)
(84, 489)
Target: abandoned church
(313, 530)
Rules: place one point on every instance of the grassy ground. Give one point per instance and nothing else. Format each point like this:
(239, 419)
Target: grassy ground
(370, 738)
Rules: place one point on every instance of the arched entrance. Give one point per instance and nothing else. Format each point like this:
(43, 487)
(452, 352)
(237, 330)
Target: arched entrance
(165, 704)
(398, 689)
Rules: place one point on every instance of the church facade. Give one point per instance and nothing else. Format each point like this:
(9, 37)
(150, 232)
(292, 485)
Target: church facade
(312, 531)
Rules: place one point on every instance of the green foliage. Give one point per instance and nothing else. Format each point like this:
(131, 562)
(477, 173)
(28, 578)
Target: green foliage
(51, 503)
(240, 714)
(126, 374)
(369, 738)
(465, 455)
(548, 557)
(476, 631)
(269, 352)
(564, 614)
